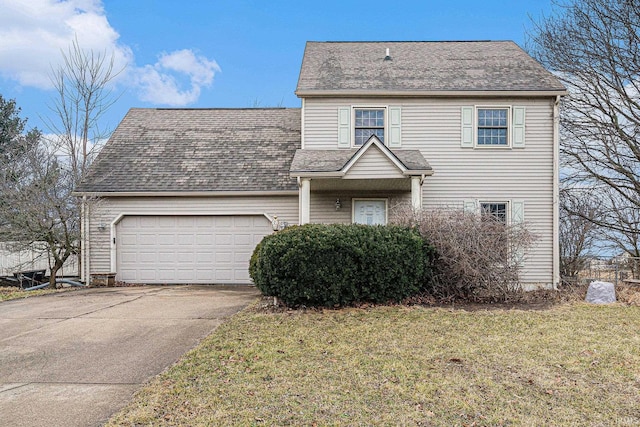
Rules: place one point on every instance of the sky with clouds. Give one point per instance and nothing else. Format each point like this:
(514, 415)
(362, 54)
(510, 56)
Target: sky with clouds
(227, 53)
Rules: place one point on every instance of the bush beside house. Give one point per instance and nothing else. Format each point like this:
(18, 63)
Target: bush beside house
(329, 265)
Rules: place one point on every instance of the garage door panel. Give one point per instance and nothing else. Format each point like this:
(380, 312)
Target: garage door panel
(223, 258)
(186, 239)
(240, 275)
(162, 221)
(203, 258)
(224, 275)
(206, 222)
(238, 257)
(146, 257)
(243, 222)
(128, 239)
(242, 239)
(147, 274)
(204, 238)
(147, 239)
(185, 257)
(224, 239)
(185, 221)
(223, 223)
(166, 239)
(189, 249)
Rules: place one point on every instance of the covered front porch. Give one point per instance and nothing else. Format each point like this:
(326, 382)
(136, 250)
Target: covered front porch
(361, 185)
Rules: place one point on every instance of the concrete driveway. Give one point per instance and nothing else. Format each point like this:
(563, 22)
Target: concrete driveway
(75, 358)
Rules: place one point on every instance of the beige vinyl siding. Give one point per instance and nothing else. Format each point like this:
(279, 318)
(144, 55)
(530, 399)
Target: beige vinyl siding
(105, 211)
(434, 127)
(323, 204)
(320, 124)
(373, 164)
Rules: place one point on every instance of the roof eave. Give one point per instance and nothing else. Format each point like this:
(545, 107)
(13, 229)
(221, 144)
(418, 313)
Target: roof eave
(185, 193)
(419, 172)
(316, 174)
(429, 93)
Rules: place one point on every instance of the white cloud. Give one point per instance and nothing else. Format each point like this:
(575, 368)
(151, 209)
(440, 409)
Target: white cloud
(158, 83)
(33, 33)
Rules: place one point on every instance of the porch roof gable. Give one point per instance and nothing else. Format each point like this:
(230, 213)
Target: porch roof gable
(338, 162)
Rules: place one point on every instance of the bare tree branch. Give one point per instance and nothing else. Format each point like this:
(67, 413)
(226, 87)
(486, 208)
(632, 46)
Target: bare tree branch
(39, 175)
(593, 46)
(84, 94)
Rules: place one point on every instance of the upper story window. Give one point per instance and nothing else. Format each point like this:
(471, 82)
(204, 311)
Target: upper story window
(368, 121)
(497, 127)
(493, 127)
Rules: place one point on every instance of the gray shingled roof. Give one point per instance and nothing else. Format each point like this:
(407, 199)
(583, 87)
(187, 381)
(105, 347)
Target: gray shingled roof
(421, 66)
(335, 160)
(198, 150)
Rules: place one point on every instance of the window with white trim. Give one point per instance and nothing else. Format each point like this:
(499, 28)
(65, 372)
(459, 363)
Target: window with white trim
(495, 210)
(493, 127)
(497, 218)
(368, 121)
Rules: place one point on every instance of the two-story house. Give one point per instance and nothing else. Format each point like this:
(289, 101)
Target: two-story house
(184, 195)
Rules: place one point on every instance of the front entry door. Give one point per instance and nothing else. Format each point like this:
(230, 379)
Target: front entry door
(370, 212)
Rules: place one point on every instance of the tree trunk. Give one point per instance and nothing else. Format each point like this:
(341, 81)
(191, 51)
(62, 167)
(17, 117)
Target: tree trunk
(54, 272)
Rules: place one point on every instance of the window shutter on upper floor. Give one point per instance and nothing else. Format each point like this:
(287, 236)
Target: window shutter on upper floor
(518, 127)
(344, 127)
(467, 128)
(395, 131)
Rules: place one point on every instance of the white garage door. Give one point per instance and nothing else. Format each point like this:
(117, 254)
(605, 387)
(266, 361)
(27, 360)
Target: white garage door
(187, 249)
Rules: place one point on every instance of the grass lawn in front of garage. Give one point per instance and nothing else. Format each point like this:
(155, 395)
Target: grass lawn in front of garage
(571, 364)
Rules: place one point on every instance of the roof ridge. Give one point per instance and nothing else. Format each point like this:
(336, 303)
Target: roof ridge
(214, 108)
(410, 41)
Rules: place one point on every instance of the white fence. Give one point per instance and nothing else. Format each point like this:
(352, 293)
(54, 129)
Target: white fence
(12, 261)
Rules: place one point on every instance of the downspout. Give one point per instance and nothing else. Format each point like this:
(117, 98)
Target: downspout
(556, 192)
(84, 249)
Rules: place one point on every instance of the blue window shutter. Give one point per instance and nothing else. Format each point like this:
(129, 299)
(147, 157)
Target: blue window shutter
(344, 127)
(467, 127)
(395, 131)
(518, 127)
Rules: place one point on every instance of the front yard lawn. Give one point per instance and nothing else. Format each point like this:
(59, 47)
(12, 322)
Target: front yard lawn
(572, 364)
(11, 292)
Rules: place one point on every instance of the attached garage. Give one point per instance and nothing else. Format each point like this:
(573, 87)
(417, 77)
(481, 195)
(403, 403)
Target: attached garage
(183, 195)
(187, 249)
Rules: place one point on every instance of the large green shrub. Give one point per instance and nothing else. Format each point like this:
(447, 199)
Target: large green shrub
(329, 265)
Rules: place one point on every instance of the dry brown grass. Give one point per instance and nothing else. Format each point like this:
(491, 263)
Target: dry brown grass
(11, 292)
(572, 364)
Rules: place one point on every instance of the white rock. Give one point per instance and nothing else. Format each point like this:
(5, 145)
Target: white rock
(601, 293)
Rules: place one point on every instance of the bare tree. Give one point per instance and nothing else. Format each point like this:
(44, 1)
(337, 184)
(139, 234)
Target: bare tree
(38, 206)
(38, 210)
(593, 46)
(577, 231)
(84, 94)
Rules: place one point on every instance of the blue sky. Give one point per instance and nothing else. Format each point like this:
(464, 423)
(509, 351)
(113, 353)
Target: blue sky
(236, 53)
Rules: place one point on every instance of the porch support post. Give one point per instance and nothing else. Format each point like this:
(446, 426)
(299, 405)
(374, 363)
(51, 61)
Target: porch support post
(305, 200)
(416, 192)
